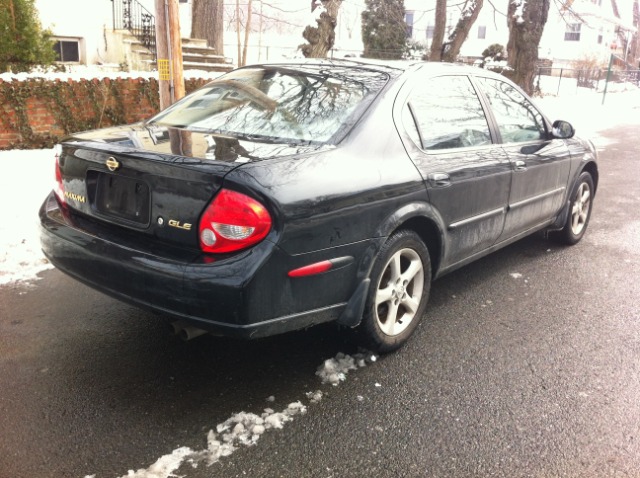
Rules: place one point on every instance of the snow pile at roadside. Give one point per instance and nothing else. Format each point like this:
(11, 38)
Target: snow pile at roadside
(245, 429)
(163, 468)
(242, 429)
(335, 370)
(27, 177)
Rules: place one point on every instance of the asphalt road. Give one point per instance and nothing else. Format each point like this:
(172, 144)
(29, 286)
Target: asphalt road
(537, 375)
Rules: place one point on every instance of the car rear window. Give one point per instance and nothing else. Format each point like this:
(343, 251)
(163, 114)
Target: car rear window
(310, 104)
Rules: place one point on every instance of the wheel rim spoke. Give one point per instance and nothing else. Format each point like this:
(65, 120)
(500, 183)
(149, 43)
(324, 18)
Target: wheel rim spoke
(576, 222)
(395, 267)
(412, 270)
(410, 304)
(384, 295)
(585, 196)
(392, 316)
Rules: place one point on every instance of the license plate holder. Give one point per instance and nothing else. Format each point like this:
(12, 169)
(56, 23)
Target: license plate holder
(124, 198)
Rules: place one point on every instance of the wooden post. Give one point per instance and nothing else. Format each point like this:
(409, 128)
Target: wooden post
(162, 51)
(176, 50)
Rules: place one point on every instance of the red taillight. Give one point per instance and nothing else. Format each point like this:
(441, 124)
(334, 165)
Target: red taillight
(58, 187)
(233, 222)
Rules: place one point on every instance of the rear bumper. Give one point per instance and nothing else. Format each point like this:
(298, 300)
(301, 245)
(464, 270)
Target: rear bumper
(245, 295)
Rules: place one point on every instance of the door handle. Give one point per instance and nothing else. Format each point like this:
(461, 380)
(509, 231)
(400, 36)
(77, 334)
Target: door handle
(439, 180)
(520, 166)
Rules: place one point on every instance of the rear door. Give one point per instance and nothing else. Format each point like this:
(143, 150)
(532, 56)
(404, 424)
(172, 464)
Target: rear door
(540, 165)
(467, 176)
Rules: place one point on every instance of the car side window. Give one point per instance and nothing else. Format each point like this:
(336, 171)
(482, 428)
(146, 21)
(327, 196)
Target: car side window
(518, 120)
(448, 114)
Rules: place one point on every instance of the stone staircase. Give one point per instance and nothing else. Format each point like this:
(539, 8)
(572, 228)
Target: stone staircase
(196, 55)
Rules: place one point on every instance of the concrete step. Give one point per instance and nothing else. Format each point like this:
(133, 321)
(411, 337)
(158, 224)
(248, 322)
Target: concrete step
(201, 50)
(187, 56)
(194, 42)
(195, 65)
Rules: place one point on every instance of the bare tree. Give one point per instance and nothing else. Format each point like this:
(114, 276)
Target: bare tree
(468, 17)
(207, 21)
(526, 20)
(438, 30)
(320, 39)
(635, 43)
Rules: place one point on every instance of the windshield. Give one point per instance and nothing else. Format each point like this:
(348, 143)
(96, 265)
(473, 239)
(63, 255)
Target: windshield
(306, 104)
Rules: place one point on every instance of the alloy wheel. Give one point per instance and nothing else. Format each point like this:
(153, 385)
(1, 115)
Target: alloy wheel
(399, 292)
(580, 210)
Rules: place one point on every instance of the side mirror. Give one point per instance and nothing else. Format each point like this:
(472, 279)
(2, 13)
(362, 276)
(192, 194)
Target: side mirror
(562, 130)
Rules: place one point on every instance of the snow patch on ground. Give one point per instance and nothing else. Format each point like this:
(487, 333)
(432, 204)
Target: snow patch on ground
(335, 370)
(242, 429)
(245, 429)
(27, 177)
(164, 467)
(314, 397)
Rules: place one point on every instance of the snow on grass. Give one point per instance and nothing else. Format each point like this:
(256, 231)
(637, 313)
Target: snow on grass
(27, 177)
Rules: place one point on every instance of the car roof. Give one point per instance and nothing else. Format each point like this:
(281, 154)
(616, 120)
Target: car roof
(394, 67)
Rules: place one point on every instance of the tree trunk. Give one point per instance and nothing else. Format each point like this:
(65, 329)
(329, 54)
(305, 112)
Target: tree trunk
(247, 30)
(438, 30)
(321, 38)
(13, 15)
(207, 21)
(468, 17)
(526, 20)
(238, 33)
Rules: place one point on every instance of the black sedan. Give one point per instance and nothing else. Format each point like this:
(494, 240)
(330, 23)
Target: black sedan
(285, 195)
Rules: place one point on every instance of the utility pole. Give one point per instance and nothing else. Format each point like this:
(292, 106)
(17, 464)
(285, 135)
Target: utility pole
(170, 74)
(176, 50)
(162, 54)
(169, 52)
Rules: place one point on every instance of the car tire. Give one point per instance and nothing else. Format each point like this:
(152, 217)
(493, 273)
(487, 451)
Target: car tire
(579, 212)
(398, 294)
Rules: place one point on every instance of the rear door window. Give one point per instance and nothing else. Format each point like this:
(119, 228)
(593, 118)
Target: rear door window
(448, 114)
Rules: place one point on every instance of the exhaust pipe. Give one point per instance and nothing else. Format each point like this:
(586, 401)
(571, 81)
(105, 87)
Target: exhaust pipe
(186, 331)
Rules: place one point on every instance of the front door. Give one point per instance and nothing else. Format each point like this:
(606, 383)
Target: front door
(540, 165)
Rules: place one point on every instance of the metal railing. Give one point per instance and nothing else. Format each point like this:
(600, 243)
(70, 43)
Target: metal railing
(568, 81)
(131, 15)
